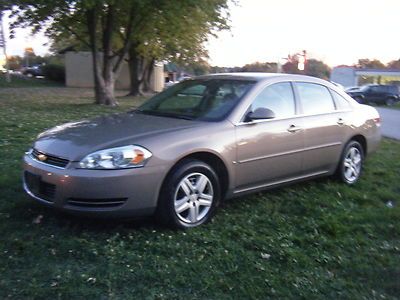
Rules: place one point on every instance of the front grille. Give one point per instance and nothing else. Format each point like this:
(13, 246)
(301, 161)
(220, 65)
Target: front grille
(96, 203)
(40, 188)
(50, 159)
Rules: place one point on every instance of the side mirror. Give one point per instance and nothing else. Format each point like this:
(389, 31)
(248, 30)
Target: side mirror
(260, 113)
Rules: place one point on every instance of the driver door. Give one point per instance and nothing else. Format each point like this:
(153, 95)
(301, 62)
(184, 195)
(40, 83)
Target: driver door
(270, 151)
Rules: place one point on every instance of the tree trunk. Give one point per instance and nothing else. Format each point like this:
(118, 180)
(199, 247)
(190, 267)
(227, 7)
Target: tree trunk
(135, 70)
(104, 80)
(147, 76)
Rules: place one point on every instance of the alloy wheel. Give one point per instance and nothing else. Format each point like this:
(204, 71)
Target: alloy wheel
(352, 164)
(193, 198)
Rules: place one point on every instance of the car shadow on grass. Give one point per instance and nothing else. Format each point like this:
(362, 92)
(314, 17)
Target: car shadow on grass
(27, 211)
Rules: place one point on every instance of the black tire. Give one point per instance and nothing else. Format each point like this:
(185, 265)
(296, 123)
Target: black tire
(173, 193)
(390, 101)
(348, 170)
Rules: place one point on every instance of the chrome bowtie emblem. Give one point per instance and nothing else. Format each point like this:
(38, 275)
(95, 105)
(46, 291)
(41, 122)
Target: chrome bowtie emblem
(42, 157)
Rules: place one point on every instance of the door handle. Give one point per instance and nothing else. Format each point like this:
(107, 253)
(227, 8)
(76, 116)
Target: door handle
(340, 121)
(293, 128)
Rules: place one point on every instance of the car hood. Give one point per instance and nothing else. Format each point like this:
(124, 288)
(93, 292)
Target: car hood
(75, 140)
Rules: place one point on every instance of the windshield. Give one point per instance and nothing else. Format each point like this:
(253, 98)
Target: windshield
(205, 100)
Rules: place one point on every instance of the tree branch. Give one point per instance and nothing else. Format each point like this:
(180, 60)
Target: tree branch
(127, 41)
(80, 38)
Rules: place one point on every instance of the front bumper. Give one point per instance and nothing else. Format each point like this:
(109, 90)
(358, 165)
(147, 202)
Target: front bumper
(111, 193)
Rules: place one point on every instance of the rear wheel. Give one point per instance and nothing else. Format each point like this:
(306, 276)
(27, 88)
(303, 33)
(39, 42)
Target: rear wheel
(351, 162)
(189, 196)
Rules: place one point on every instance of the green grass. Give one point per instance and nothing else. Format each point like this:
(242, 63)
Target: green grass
(396, 106)
(314, 240)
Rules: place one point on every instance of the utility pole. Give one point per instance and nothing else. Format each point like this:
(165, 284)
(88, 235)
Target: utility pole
(3, 46)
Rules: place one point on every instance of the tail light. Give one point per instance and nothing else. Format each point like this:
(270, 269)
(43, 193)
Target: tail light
(377, 121)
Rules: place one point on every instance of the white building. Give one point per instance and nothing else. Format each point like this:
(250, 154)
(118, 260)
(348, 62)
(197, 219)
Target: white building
(351, 76)
(79, 72)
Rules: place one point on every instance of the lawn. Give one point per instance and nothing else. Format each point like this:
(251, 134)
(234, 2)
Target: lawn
(319, 239)
(396, 106)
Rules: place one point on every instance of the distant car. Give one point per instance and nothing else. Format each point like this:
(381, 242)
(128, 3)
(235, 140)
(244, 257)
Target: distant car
(376, 93)
(337, 84)
(352, 89)
(33, 71)
(201, 141)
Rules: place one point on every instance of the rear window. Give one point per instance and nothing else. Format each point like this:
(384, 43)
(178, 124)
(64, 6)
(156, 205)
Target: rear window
(340, 101)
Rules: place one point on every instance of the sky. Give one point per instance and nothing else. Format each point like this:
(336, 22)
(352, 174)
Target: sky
(335, 31)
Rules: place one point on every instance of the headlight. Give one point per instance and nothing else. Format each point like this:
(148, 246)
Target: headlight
(116, 158)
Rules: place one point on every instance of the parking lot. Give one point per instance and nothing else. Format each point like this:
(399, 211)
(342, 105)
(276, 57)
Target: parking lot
(390, 119)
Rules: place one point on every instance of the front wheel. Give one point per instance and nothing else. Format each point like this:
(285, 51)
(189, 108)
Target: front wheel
(351, 162)
(189, 196)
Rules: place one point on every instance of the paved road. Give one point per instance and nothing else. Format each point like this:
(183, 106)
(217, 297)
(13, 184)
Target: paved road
(390, 119)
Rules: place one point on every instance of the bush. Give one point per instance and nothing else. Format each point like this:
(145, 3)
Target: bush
(54, 72)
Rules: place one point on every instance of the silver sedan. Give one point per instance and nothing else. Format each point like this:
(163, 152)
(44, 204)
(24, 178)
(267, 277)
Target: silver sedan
(200, 141)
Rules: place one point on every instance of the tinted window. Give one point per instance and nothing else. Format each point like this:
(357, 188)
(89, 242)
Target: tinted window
(340, 101)
(315, 98)
(375, 89)
(278, 98)
(393, 89)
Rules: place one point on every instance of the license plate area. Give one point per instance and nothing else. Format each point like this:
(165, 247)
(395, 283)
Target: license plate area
(40, 188)
(32, 181)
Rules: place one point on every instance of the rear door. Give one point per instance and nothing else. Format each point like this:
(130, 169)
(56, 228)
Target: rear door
(324, 128)
(270, 151)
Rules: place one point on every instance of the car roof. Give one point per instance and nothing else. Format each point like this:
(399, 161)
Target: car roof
(255, 76)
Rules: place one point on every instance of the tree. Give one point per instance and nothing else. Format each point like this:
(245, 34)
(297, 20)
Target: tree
(394, 64)
(99, 24)
(366, 63)
(176, 32)
(292, 64)
(260, 67)
(317, 68)
(15, 62)
(142, 30)
(197, 68)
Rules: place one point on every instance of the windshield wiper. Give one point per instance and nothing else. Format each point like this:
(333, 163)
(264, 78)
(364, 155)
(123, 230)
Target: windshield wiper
(162, 114)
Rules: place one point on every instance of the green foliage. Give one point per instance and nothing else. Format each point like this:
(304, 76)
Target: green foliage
(196, 67)
(148, 29)
(317, 68)
(54, 72)
(366, 63)
(394, 64)
(260, 67)
(314, 240)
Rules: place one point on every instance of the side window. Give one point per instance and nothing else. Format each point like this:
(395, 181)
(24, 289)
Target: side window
(382, 89)
(315, 98)
(341, 102)
(277, 97)
(374, 89)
